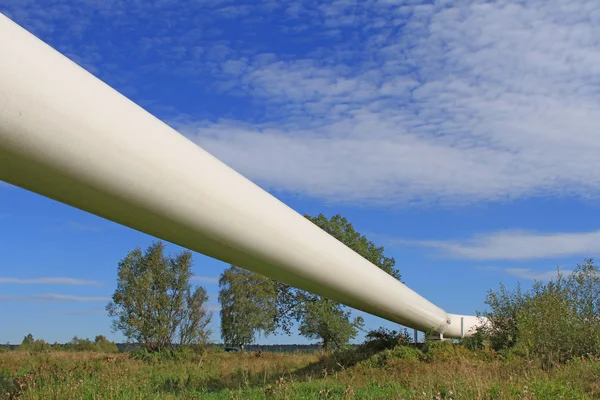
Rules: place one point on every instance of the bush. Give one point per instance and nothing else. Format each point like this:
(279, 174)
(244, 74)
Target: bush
(478, 341)
(100, 345)
(445, 350)
(37, 346)
(191, 353)
(553, 322)
(103, 345)
(559, 320)
(382, 339)
(391, 356)
(505, 306)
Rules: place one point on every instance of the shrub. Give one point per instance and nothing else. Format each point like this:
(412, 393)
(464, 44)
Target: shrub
(391, 356)
(382, 339)
(553, 322)
(559, 320)
(103, 345)
(479, 341)
(100, 345)
(36, 346)
(505, 306)
(193, 354)
(445, 350)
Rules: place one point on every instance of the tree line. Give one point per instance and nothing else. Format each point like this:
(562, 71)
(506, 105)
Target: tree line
(100, 344)
(156, 305)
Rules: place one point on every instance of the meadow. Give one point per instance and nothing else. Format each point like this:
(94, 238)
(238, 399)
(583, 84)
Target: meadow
(438, 371)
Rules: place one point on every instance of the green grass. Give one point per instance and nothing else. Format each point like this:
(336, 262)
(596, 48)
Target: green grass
(442, 372)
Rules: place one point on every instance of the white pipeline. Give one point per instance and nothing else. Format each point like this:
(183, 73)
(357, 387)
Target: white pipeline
(68, 136)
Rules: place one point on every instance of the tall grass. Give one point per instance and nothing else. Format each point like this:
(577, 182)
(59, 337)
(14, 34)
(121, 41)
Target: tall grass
(440, 371)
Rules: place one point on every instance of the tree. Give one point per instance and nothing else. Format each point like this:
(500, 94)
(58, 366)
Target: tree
(248, 306)
(31, 344)
(504, 310)
(195, 319)
(103, 345)
(341, 229)
(251, 303)
(28, 340)
(329, 321)
(320, 318)
(154, 299)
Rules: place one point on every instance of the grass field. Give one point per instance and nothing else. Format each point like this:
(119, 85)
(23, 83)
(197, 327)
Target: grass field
(443, 372)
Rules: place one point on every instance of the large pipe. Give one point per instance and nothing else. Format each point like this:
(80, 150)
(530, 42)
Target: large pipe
(68, 136)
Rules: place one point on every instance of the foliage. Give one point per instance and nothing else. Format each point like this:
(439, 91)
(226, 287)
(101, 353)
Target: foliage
(445, 351)
(103, 345)
(195, 318)
(329, 321)
(248, 306)
(38, 345)
(504, 308)
(384, 339)
(28, 340)
(154, 299)
(554, 321)
(100, 345)
(400, 372)
(341, 229)
(324, 319)
(478, 341)
(561, 320)
(252, 304)
(31, 344)
(391, 356)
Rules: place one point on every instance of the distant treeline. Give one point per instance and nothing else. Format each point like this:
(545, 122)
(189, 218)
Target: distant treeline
(126, 347)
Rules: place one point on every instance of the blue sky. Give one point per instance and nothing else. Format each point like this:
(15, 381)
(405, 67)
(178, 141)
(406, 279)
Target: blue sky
(462, 136)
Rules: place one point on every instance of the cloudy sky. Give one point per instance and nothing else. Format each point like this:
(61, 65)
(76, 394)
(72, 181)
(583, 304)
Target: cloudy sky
(461, 135)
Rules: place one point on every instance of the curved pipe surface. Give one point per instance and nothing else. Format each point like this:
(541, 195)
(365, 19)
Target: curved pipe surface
(68, 136)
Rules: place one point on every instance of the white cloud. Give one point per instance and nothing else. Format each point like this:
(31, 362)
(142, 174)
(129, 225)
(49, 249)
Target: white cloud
(491, 101)
(54, 298)
(526, 273)
(529, 274)
(397, 103)
(206, 279)
(50, 281)
(518, 245)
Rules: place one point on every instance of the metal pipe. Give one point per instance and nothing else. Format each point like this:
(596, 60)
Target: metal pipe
(68, 136)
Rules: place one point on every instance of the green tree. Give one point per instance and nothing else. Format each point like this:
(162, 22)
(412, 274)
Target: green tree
(154, 298)
(330, 322)
(31, 344)
(340, 228)
(248, 306)
(505, 306)
(318, 317)
(103, 345)
(251, 303)
(195, 318)
(28, 340)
